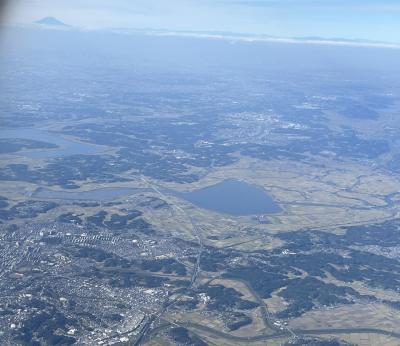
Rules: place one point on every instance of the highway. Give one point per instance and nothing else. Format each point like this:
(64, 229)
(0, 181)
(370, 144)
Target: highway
(268, 321)
(146, 327)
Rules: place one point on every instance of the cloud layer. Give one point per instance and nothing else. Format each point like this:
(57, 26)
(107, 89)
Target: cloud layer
(365, 19)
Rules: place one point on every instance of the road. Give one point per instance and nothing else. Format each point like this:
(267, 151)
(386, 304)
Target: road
(196, 232)
(265, 337)
(268, 321)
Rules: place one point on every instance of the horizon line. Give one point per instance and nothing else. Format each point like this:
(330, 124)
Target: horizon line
(219, 35)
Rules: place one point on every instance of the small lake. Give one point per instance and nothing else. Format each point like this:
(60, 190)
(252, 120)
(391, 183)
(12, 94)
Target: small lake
(66, 147)
(104, 194)
(232, 197)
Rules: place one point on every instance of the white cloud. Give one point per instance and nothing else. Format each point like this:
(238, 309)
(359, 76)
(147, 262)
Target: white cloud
(368, 19)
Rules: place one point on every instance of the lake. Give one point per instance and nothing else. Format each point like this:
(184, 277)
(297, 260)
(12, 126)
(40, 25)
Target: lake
(66, 147)
(233, 197)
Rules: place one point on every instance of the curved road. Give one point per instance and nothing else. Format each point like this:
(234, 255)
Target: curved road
(146, 328)
(263, 337)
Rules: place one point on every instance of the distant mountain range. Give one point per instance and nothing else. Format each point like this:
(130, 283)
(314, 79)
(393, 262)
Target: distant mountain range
(50, 21)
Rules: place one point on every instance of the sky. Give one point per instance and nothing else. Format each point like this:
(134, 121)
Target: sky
(350, 19)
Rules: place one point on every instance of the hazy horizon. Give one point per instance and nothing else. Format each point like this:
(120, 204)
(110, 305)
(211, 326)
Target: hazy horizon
(355, 19)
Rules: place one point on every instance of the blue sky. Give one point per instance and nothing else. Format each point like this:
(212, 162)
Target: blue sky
(365, 19)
